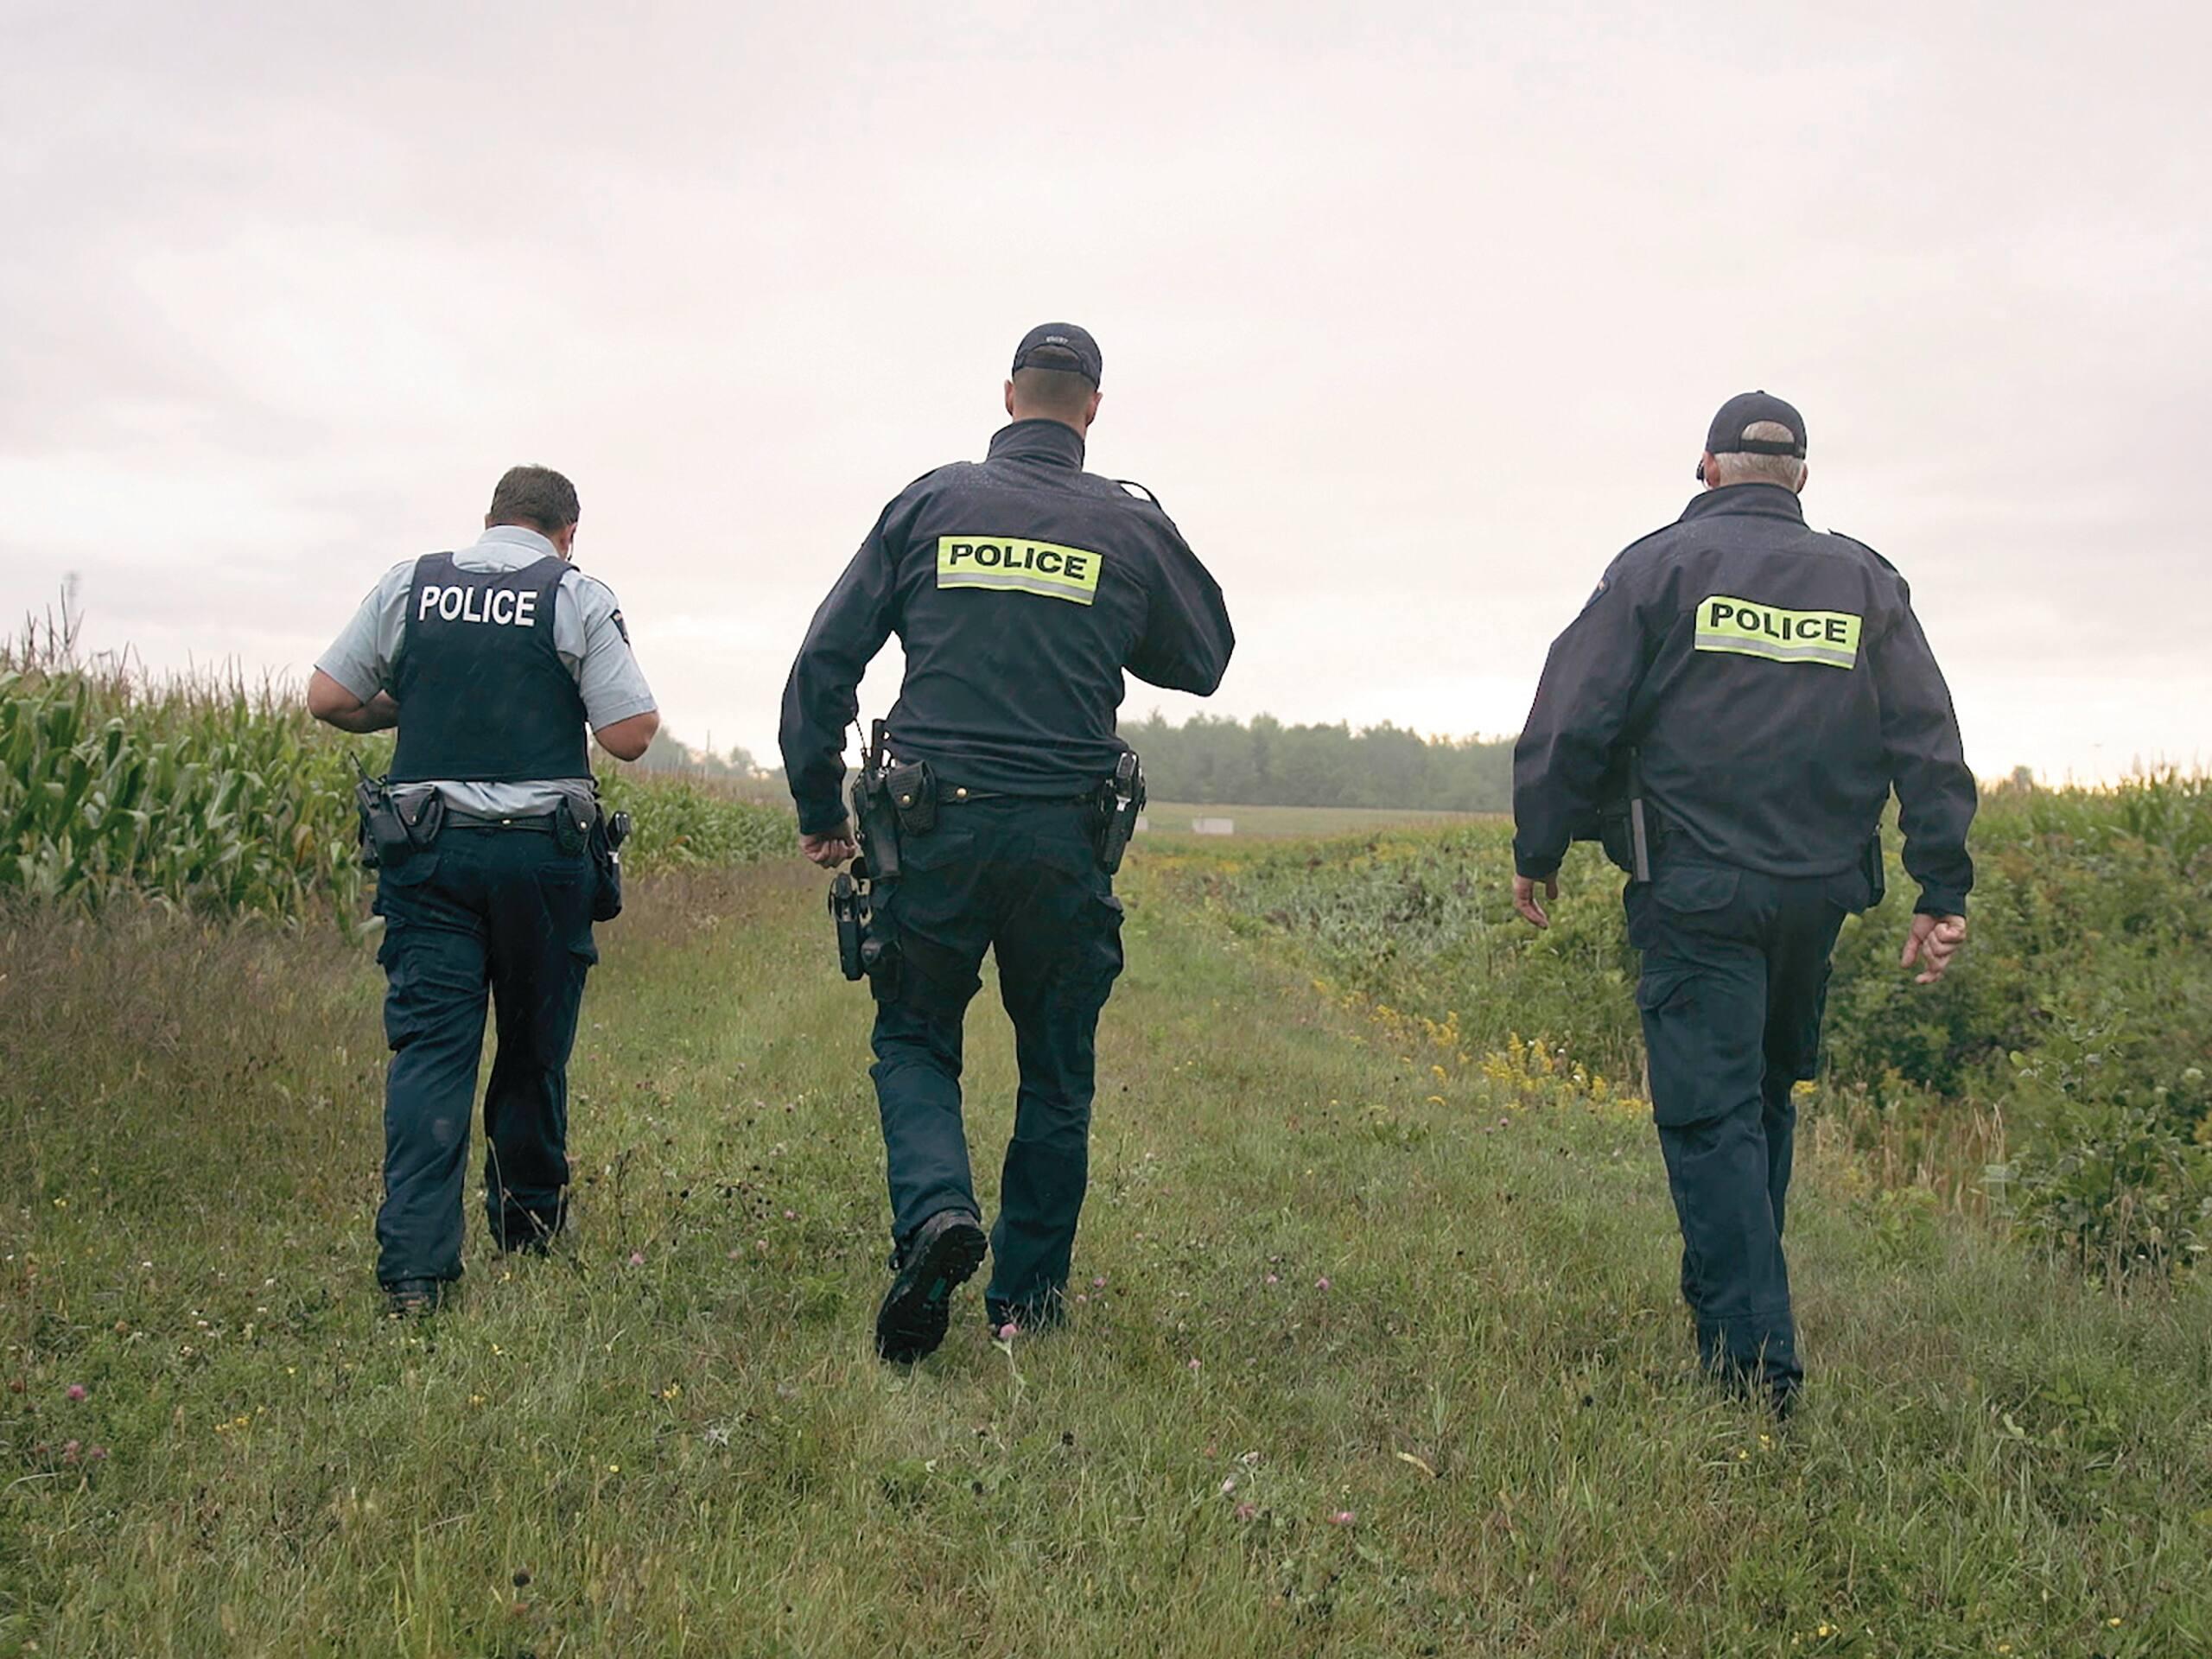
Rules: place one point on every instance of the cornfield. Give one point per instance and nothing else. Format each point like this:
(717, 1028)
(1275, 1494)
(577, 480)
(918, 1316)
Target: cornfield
(213, 794)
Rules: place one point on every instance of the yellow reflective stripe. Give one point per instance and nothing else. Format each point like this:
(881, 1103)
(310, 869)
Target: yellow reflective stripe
(1014, 564)
(1746, 628)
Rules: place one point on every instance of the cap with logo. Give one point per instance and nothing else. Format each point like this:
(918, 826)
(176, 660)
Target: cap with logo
(1061, 346)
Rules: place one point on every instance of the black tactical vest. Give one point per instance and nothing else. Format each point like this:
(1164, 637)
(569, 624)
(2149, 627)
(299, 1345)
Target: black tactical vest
(484, 697)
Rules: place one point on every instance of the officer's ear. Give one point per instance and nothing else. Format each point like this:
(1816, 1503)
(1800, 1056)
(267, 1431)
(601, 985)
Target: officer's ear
(564, 542)
(1804, 477)
(1705, 471)
(1090, 414)
(1009, 398)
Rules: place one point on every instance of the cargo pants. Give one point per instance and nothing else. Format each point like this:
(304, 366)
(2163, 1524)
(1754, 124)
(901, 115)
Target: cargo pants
(1020, 878)
(493, 913)
(1732, 991)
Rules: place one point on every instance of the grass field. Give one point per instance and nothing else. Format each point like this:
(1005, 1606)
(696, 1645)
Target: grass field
(1373, 1360)
(1172, 819)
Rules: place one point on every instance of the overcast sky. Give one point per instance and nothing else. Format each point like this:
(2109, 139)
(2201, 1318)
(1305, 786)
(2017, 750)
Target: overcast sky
(1411, 315)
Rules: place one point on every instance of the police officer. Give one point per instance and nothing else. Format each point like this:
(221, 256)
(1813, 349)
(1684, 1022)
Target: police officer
(492, 661)
(1757, 688)
(1021, 588)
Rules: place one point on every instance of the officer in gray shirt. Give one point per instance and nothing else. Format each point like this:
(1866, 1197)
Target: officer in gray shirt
(492, 663)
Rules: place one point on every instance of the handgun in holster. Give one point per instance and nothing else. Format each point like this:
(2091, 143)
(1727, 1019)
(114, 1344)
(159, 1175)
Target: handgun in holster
(600, 833)
(875, 815)
(1623, 824)
(393, 830)
(1120, 800)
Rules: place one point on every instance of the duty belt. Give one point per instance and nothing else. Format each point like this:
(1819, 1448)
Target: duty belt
(957, 794)
(458, 817)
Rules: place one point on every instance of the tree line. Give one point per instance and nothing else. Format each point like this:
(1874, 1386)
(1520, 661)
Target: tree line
(1266, 763)
(1231, 762)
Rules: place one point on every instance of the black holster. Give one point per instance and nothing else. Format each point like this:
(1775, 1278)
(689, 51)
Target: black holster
(1114, 810)
(604, 837)
(1627, 829)
(392, 830)
(875, 822)
(1877, 873)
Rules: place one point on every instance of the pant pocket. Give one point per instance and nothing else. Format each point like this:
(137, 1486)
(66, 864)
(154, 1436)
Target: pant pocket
(1672, 1001)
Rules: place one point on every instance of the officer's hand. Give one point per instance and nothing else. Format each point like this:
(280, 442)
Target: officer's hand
(832, 849)
(1524, 898)
(1932, 943)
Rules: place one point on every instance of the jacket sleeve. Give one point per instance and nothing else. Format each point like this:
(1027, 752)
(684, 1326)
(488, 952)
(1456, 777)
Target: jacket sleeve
(1589, 683)
(1935, 790)
(1188, 640)
(821, 696)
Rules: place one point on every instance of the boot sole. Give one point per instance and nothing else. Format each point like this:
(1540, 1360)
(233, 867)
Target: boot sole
(915, 1316)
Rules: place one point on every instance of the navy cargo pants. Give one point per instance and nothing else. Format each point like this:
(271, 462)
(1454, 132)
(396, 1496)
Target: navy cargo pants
(484, 911)
(1018, 877)
(1734, 983)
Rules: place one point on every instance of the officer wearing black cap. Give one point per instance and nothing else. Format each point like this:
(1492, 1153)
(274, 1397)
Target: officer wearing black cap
(1022, 588)
(1730, 714)
(492, 662)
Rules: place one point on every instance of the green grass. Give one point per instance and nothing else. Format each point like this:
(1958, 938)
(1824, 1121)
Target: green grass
(2060, 1076)
(678, 1434)
(1172, 819)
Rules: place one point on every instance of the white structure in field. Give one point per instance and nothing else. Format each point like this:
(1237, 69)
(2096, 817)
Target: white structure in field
(1213, 826)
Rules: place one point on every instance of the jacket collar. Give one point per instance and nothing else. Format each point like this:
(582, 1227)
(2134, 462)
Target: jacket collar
(1050, 442)
(1765, 500)
(517, 536)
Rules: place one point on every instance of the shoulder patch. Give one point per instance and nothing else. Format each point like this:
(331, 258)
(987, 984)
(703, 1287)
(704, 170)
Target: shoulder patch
(620, 626)
(1140, 491)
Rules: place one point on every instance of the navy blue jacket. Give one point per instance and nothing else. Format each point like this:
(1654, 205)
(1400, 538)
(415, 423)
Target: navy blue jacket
(1021, 588)
(1777, 686)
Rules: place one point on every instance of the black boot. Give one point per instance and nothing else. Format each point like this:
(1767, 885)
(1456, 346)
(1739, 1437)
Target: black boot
(943, 1251)
(411, 1298)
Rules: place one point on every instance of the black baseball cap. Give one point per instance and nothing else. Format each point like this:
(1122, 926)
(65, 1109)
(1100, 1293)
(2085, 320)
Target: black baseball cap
(1059, 346)
(1748, 409)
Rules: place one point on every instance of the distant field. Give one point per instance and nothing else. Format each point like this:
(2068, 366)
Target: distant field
(1174, 817)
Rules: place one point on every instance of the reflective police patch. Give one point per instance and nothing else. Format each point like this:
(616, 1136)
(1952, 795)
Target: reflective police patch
(1744, 628)
(1013, 564)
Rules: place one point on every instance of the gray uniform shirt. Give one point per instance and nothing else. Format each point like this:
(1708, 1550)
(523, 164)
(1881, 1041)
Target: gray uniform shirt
(586, 631)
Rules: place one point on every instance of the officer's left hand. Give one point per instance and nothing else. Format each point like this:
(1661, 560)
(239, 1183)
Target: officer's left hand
(1932, 942)
(832, 849)
(1524, 898)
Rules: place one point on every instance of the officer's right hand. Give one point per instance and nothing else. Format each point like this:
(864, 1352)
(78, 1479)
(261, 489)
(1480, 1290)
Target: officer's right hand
(1932, 942)
(832, 849)
(1524, 898)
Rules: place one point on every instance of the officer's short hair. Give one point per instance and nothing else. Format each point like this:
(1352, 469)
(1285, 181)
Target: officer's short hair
(1788, 471)
(536, 496)
(1059, 390)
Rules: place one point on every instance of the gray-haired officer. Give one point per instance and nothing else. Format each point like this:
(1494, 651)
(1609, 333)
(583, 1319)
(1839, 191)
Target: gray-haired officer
(1733, 708)
(492, 662)
(1022, 587)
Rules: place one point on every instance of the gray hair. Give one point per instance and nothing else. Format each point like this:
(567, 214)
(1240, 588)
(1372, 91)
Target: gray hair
(1788, 471)
(537, 496)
